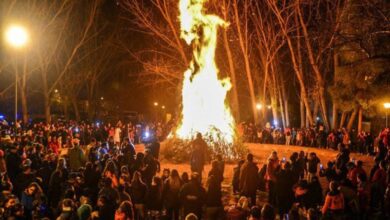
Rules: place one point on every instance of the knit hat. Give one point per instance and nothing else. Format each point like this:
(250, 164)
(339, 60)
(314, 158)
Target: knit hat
(84, 212)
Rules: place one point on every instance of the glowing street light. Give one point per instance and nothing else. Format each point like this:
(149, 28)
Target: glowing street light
(155, 104)
(163, 107)
(259, 106)
(16, 36)
(387, 107)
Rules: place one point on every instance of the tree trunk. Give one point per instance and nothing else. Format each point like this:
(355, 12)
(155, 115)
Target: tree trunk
(46, 98)
(352, 118)
(360, 119)
(47, 109)
(315, 110)
(342, 120)
(285, 102)
(76, 109)
(235, 103)
(243, 42)
(303, 113)
(274, 105)
(65, 107)
(282, 108)
(300, 80)
(334, 116)
(23, 97)
(320, 81)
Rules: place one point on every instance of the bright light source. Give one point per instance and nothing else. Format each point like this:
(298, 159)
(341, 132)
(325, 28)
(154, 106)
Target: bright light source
(269, 106)
(318, 118)
(386, 105)
(163, 107)
(259, 106)
(102, 98)
(16, 36)
(276, 122)
(1, 116)
(155, 103)
(56, 90)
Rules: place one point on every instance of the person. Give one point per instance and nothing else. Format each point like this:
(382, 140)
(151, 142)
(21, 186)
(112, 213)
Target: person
(138, 191)
(67, 210)
(76, 157)
(238, 209)
(198, 155)
(214, 208)
(355, 171)
(13, 161)
(249, 179)
(192, 196)
(111, 194)
(153, 201)
(272, 168)
(312, 165)
(170, 195)
(267, 212)
(216, 171)
(255, 213)
(334, 202)
(236, 177)
(284, 188)
(128, 150)
(125, 211)
(106, 209)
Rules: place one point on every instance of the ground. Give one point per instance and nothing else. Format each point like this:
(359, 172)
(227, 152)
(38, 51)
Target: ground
(261, 153)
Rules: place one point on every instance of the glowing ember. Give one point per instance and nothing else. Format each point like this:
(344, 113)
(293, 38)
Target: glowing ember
(203, 94)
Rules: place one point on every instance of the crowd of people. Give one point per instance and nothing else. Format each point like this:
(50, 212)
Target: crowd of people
(81, 171)
(316, 136)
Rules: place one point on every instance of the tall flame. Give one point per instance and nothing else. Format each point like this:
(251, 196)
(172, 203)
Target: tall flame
(203, 94)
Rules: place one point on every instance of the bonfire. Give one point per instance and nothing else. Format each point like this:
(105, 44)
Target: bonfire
(204, 104)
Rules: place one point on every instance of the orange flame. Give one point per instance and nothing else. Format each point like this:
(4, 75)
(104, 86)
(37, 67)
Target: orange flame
(203, 94)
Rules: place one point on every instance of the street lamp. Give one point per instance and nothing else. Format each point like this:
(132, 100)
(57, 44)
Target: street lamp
(155, 103)
(17, 37)
(387, 107)
(259, 106)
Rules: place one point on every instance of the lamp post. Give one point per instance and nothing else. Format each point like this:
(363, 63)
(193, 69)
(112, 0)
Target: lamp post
(17, 37)
(387, 107)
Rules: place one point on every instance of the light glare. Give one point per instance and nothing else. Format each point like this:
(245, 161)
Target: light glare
(16, 36)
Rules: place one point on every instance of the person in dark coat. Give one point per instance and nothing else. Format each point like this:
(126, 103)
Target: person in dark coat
(192, 195)
(110, 193)
(285, 181)
(249, 179)
(106, 209)
(214, 208)
(138, 191)
(153, 199)
(170, 194)
(198, 156)
(57, 183)
(13, 161)
(152, 166)
(25, 178)
(236, 177)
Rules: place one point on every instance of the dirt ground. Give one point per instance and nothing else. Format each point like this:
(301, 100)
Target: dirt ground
(261, 153)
